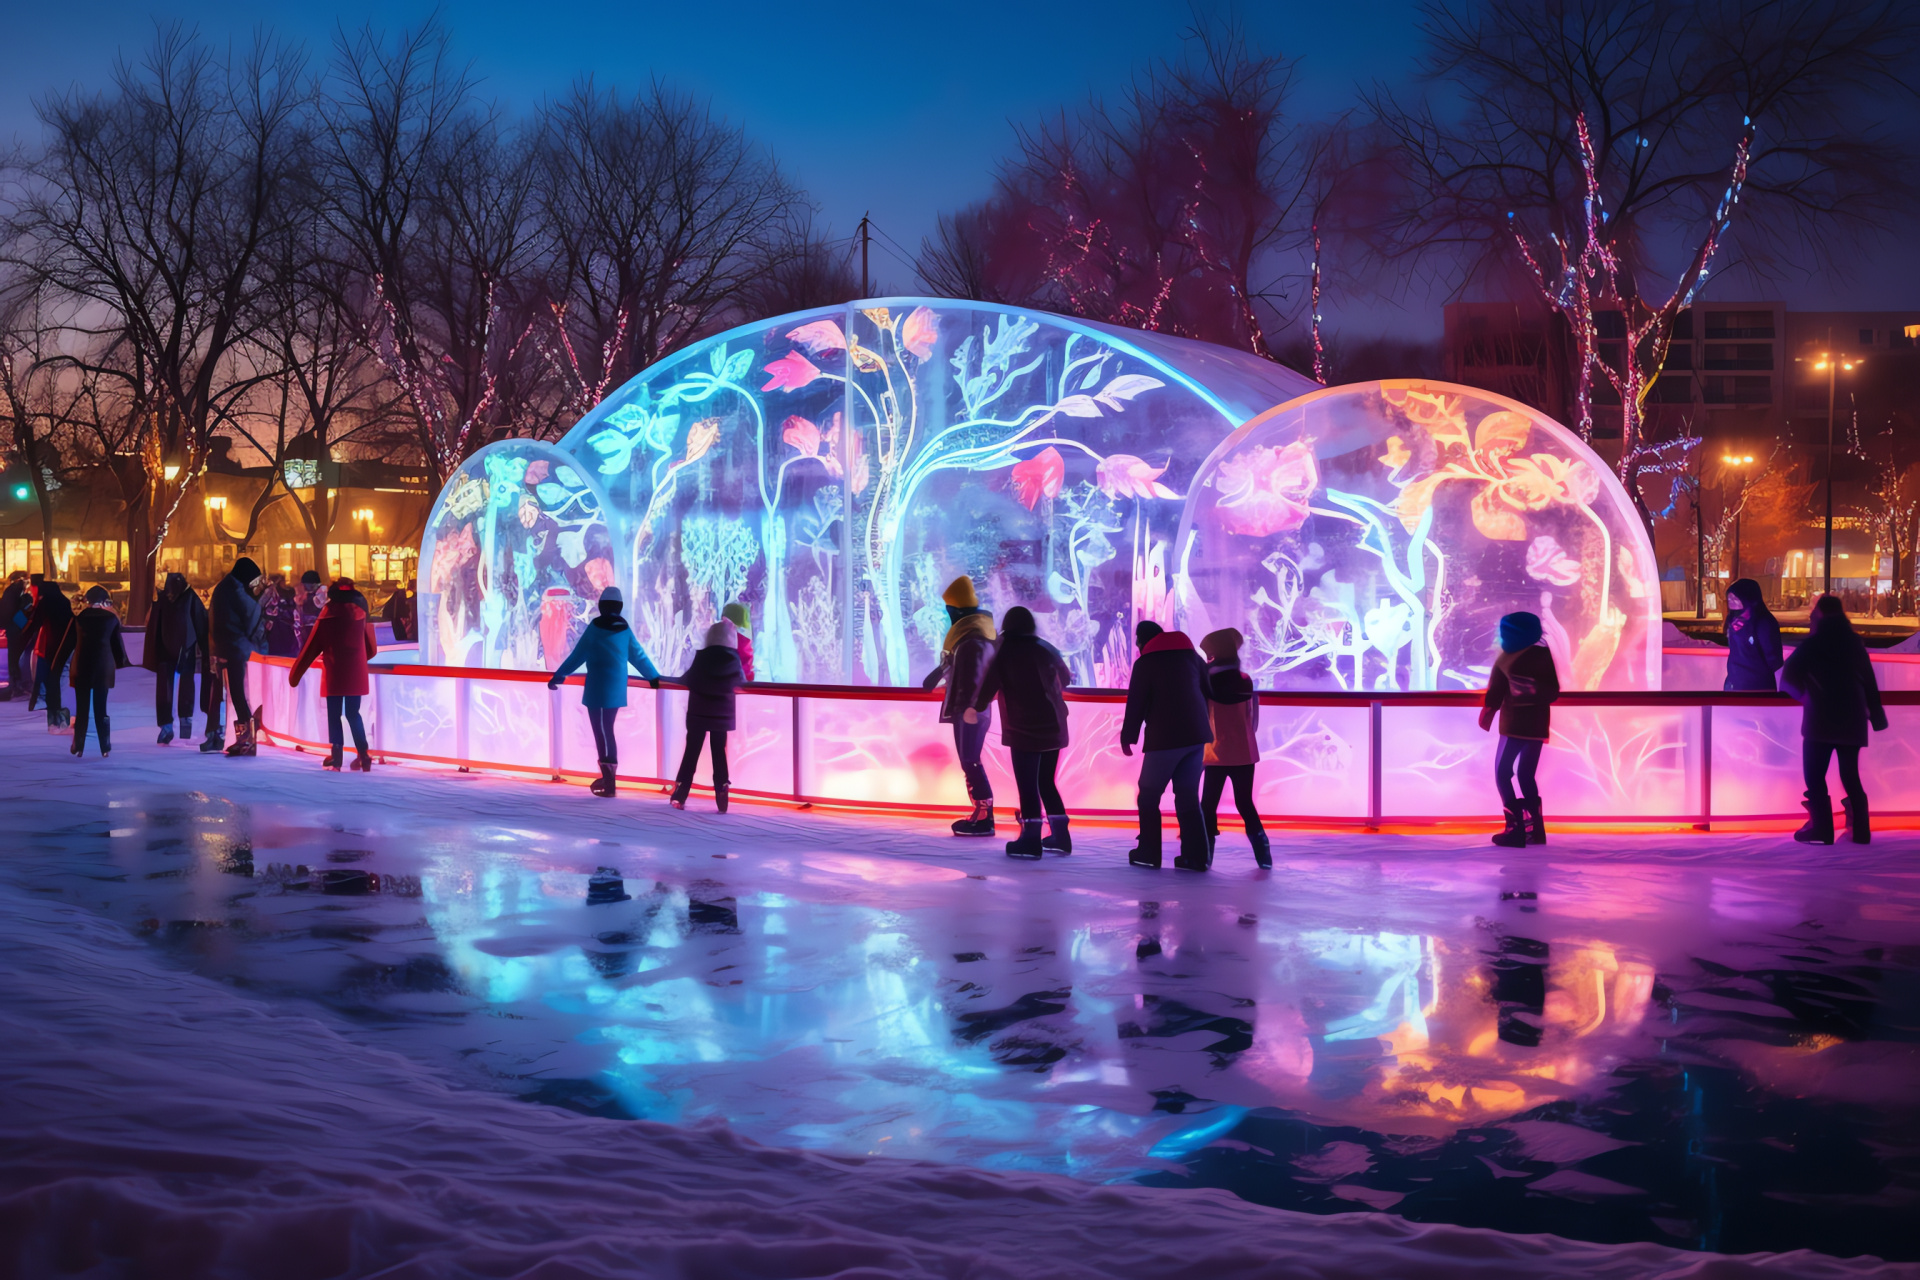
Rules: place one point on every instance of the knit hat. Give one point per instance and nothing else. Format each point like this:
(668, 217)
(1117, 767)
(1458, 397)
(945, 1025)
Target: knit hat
(1018, 621)
(723, 635)
(245, 569)
(98, 595)
(611, 595)
(736, 613)
(1518, 630)
(1145, 630)
(1222, 645)
(960, 593)
(311, 578)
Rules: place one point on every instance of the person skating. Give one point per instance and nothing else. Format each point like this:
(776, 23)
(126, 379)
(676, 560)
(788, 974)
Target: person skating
(1753, 640)
(93, 651)
(1234, 753)
(176, 641)
(52, 615)
(1521, 689)
(16, 610)
(1029, 678)
(742, 621)
(1831, 677)
(342, 642)
(233, 636)
(1167, 695)
(606, 649)
(711, 681)
(964, 655)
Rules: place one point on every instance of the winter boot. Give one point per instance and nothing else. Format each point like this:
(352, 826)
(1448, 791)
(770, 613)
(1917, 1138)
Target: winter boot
(1058, 838)
(1858, 827)
(243, 744)
(166, 733)
(979, 822)
(720, 796)
(681, 791)
(79, 747)
(1141, 856)
(1028, 844)
(1534, 820)
(1262, 851)
(362, 762)
(186, 728)
(332, 762)
(603, 785)
(216, 739)
(59, 720)
(106, 737)
(1515, 835)
(1819, 825)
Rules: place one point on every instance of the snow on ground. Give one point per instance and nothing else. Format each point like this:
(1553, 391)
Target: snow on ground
(185, 1102)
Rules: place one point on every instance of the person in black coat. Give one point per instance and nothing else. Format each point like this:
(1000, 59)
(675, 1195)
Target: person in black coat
(93, 651)
(1753, 640)
(1030, 678)
(1831, 677)
(711, 681)
(235, 632)
(16, 610)
(52, 615)
(1167, 695)
(176, 639)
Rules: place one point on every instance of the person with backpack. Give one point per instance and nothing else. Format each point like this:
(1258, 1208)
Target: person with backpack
(176, 639)
(93, 651)
(52, 615)
(1753, 640)
(711, 682)
(606, 649)
(1167, 698)
(1521, 689)
(342, 642)
(964, 654)
(1234, 753)
(234, 634)
(1830, 675)
(1029, 678)
(16, 610)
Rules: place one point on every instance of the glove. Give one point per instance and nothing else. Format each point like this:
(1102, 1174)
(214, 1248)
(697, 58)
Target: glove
(554, 683)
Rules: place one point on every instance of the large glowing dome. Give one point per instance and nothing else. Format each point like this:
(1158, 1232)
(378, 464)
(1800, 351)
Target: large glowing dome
(835, 469)
(1368, 537)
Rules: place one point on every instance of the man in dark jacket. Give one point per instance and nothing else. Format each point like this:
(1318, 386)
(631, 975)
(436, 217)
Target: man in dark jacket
(16, 610)
(233, 635)
(52, 615)
(1168, 696)
(176, 639)
(963, 661)
(399, 613)
(1831, 677)
(1030, 678)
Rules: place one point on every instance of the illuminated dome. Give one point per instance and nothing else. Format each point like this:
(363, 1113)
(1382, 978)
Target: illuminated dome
(1369, 537)
(835, 469)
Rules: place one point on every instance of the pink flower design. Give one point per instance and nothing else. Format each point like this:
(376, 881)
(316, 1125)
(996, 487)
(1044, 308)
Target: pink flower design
(1121, 475)
(919, 331)
(790, 372)
(450, 555)
(820, 335)
(1547, 562)
(1039, 476)
(537, 472)
(857, 458)
(802, 435)
(599, 571)
(1266, 490)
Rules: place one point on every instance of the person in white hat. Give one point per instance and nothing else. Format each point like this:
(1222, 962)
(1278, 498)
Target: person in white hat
(606, 649)
(711, 681)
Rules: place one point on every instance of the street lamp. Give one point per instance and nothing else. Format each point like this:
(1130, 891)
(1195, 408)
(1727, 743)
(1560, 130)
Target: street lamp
(1831, 365)
(1738, 461)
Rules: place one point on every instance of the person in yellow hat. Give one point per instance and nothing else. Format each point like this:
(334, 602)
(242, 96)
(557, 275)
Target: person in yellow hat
(964, 655)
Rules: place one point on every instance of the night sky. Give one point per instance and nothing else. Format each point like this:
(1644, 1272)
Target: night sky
(901, 109)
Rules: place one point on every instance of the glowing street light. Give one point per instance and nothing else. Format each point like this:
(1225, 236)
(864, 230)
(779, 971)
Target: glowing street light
(1739, 462)
(1832, 366)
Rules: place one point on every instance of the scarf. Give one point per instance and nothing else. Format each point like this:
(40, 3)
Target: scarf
(974, 624)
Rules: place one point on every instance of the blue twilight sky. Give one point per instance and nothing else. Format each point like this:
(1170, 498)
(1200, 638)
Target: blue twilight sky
(900, 109)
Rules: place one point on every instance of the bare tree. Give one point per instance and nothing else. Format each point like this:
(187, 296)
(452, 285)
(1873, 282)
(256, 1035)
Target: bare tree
(34, 405)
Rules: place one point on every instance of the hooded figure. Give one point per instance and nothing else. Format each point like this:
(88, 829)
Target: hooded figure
(93, 651)
(1521, 688)
(234, 635)
(52, 614)
(711, 681)
(342, 642)
(399, 613)
(1753, 640)
(742, 621)
(1167, 697)
(277, 610)
(16, 610)
(1832, 679)
(1234, 752)
(963, 662)
(1030, 678)
(176, 643)
(606, 648)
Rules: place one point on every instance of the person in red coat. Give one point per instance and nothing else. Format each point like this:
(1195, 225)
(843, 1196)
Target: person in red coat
(341, 641)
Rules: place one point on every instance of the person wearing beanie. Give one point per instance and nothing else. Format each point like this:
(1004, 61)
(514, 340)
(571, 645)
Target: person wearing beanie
(342, 642)
(742, 621)
(52, 615)
(176, 641)
(1167, 699)
(1753, 640)
(93, 650)
(964, 655)
(711, 681)
(235, 632)
(1234, 709)
(1030, 678)
(1521, 689)
(606, 648)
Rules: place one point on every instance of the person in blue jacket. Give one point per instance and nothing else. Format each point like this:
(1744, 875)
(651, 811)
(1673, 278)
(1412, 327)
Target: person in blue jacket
(606, 648)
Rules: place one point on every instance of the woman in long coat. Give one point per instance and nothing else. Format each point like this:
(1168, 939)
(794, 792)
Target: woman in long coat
(341, 642)
(176, 646)
(606, 649)
(1029, 678)
(93, 651)
(1832, 679)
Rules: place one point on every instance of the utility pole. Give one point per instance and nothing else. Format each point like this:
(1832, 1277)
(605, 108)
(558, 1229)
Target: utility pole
(1832, 365)
(866, 242)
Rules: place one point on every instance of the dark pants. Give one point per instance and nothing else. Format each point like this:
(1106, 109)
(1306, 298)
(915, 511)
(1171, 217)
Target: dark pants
(1182, 767)
(969, 740)
(96, 699)
(19, 663)
(182, 668)
(46, 685)
(229, 680)
(690, 758)
(600, 720)
(1521, 756)
(347, 705)
(1241, 775)
(1814, 757)
(1033, 774)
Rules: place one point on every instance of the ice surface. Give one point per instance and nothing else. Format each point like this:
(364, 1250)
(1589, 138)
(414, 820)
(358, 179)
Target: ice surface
(208, 1072)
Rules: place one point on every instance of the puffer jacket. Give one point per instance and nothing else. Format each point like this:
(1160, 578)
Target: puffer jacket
(1235, 710)
(1168, 696)
(93, 649)
(1029, 677)
(341, 642)
(1832, 679)
(711, 680)
(606, 649)
(1522, 688)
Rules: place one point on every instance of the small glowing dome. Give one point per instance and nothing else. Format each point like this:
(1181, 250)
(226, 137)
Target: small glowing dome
(1370, 536)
